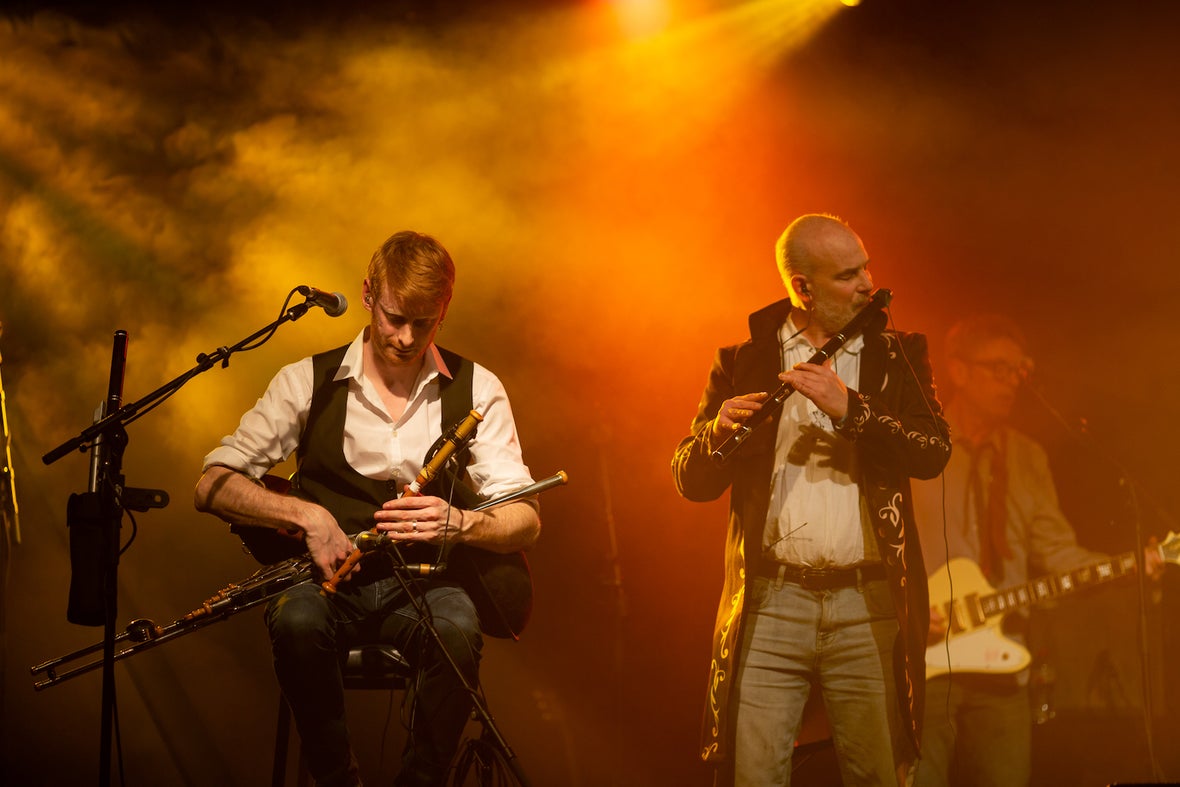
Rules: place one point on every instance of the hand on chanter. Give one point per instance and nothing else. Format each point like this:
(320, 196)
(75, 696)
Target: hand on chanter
(327, 544)
(733, 413)
(820, 384)
(419, 518)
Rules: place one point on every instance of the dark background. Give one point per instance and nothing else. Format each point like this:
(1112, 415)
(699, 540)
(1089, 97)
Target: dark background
(611, 196)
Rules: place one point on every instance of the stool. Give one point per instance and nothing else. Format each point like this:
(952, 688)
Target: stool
(364, 667)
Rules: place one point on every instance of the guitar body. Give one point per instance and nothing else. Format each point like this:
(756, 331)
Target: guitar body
(976, 642)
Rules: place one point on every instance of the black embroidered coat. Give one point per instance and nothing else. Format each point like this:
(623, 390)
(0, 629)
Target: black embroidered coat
(894, 419)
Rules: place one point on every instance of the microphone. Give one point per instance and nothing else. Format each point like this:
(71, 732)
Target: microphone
(333, 303)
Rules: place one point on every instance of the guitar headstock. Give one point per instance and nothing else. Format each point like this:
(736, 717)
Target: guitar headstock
(1170, 548)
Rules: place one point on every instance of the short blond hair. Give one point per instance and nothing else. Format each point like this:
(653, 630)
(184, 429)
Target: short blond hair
(416, 268)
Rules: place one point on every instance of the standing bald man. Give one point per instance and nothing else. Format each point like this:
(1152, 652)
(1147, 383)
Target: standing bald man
(824, 583)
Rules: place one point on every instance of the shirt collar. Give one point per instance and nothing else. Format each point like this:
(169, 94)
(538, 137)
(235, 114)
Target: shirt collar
(788, 342)
(353, 364)
(435, 362)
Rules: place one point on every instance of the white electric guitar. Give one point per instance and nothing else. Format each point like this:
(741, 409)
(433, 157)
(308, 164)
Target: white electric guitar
(975, 642)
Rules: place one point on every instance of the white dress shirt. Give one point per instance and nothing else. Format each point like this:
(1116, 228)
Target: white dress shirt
(815, 517)
(376, 445)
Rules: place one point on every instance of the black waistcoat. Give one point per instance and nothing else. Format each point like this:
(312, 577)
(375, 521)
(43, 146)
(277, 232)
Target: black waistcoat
(326, 478)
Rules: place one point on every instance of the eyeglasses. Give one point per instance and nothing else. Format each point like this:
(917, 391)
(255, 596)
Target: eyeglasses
(1003, 371)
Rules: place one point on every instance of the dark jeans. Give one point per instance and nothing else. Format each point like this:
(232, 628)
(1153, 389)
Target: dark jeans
(308, 632)
(985, 741)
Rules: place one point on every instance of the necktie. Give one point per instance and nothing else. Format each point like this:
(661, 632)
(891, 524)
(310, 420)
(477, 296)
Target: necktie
(990, 472)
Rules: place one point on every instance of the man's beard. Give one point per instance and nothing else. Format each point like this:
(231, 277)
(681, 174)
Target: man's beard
(831, 317)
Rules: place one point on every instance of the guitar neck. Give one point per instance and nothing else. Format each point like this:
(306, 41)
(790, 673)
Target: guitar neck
(974, 641)
(1053, 586)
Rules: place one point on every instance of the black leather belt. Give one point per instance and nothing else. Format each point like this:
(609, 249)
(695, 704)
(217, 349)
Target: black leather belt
(824, 578)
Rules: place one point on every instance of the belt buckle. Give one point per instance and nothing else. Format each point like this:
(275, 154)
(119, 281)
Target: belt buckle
(809, 575)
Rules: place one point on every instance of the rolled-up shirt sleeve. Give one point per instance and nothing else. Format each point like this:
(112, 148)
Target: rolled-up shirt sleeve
(497, 465)
(269, 432)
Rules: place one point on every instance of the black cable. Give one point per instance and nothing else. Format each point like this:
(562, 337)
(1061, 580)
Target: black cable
(180, 382)
(946, 545)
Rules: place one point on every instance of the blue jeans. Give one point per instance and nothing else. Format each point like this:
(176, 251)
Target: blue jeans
(840, 641)
(987, 738)
(308, 632)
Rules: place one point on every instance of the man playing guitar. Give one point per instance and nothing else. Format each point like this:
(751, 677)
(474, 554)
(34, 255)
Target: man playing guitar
(1002, 519)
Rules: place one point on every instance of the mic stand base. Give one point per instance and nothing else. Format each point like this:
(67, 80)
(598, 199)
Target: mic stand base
(491, 733)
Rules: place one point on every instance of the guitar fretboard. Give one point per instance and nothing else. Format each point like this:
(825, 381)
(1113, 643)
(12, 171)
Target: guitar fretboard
(1056, 585)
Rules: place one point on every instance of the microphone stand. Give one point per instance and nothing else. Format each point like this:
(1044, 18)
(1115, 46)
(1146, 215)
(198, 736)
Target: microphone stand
(879, 300)
(106, 487)
(205, 362)
(95, 517)
(1083, 437)
(417, 597)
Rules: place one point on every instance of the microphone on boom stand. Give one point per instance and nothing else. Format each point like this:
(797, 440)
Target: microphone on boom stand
(879, 300)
